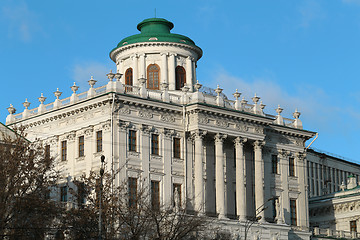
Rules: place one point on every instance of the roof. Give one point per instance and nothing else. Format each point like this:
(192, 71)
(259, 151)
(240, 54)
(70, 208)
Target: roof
(155, 30)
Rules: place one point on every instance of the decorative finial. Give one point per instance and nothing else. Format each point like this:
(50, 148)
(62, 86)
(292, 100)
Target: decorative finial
(42, 98)
(57, 93)
(26, 104)
(279, 110)
(118, 76)
(262, 106)
(74, 88)
(92, 82)
(197, 85)
(110, 75)
(236, 94)
(296, 114)
(256, 99)
(11, 109)
(218, 90)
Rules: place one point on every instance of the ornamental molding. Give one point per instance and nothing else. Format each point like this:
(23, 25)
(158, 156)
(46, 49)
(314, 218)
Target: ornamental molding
(167, 118)
(106, 126)
(119, 50)
(169, 133)
(145, 129)
(133, 154)
(145, 114)
(63, 115)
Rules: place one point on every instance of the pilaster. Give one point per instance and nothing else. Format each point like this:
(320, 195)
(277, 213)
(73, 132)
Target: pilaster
(189, 73)
(284, 168)
(164, 68)
(135, 69)
(142, 66)
(303, 217)
(172, 65)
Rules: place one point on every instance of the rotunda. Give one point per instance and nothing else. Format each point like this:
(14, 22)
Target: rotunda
(157, 55)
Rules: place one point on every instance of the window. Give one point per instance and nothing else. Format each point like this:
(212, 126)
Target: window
(47, 151)
(291, 167)
(81, 146)
(155, 144)
(81, 194)
(63, 194)
(63, 150)
(132, 140)
(177, 194)
(99, 141)
(132, 192)
(176, 148)
(155, 195)
(180, 77)
(293, 212)
(128, 79)
(353, 226)
(153, 75)
(274, 162)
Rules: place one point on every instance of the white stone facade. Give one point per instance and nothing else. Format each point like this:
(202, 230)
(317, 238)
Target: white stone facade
(235, 162)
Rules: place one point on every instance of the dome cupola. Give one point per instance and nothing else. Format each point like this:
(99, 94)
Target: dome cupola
(157, 55)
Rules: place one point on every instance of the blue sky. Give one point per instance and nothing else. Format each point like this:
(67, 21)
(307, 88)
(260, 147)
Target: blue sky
(299, 54)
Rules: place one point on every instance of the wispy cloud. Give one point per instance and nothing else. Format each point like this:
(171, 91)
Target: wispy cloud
(319, 110)
(310, 11)
(82, 72)
(22, 22)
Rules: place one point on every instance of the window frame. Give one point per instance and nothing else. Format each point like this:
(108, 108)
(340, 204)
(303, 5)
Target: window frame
(63, 193)
(177, 147)
(129, 75)
(177, 187)
(180, 77)
(293, 212)
(292, 167)
(353, 226)
(153, 82)
(99, 138)
(274, 164)
(155, 195)
(132, 141)
(81, 146)
(132, 192)
(155, 150)
(63, 150)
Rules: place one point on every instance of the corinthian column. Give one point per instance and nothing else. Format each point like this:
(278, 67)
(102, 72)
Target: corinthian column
(240, 178)
(199, 178)
(219, 171)
(259, 174)
(172, 71)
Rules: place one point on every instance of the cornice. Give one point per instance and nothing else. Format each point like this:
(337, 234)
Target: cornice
(117, 51)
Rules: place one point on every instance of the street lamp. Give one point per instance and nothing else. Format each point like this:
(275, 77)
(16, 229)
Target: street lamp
(256, 218)
(102, 158)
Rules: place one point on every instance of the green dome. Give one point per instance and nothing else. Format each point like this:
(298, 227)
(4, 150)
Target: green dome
(155, 30)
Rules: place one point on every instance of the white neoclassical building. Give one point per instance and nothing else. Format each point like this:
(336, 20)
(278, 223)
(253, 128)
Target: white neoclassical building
(153, 119)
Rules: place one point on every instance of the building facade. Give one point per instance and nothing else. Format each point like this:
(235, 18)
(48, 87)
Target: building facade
(155, 122)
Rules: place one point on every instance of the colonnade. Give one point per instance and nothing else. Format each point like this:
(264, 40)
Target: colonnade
(168, 63)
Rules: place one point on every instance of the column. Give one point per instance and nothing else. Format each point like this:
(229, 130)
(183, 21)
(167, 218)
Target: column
(164, 68)
(142, 66)
(240, 178)
(318, 179)
(121, 149)
(145, 153)
(194, 71)
(219, 175)
(167, 161)
(315, 192)
(302, 199)
(189, 75)
(121, 70)
(259, 187)
(172, 71)
(309, 164)
(332, 181)
(284, 168)
(135, 70)
(199, 178)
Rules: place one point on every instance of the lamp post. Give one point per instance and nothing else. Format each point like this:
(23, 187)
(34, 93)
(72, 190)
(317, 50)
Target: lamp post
(100, 192)
(256, 218)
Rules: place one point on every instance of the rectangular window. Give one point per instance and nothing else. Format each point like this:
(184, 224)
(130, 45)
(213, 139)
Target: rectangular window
(132, 140)
(176, 148)
(63, 150)
(155, 144)
(63, 194)
(81, 146)
(99, 141)
(353, 226)
(274, 161)
(177, 194)
(293, 212)
(132, 192)
(47, 151)
(291, 167)
(155, 195)
(81, 194)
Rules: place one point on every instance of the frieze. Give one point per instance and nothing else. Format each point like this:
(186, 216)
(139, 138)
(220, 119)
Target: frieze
(125, 110)
(145, 114)
(167, 118)
(241, 127)
(221, 123)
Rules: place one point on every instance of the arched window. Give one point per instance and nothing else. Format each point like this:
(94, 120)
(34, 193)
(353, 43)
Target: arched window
(153, 76)
(128, 79)
(180, 77)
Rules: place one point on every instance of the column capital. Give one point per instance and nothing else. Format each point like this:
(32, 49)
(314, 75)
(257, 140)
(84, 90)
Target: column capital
(283, 153)
(168, 133)
(198, 134)
(300, 156)
(134, 56)
(124, 125)
(145, 129)
(258, 144)
(219, 137)
(240, 141)
(173, 54)
(164, 53)
(142, 54)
